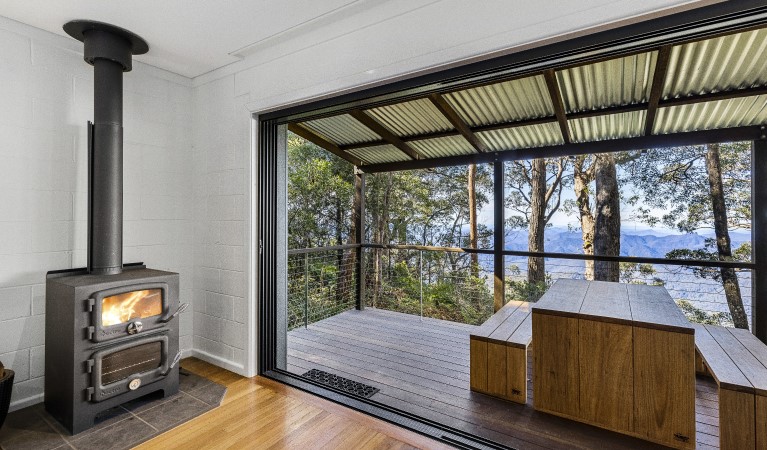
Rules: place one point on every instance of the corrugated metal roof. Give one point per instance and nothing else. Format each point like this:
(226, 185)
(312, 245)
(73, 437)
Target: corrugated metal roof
(525, 98)
(411, 118)
(719, 64)
(341, 130)
(446, 146)
(621, 81)
(711, 115)
(612, 126)
(522, 137)
(379, 154)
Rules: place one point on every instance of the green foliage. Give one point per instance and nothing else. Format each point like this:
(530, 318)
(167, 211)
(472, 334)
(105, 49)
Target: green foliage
(456, 296)
(414, 207)
(313, 285)
(710, 253)
(320, 192)
(428, 207)
(697, 315)
(637, 273)
(527, 291)
(670, 186)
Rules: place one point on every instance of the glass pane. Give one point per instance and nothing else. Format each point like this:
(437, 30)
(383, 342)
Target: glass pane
(122, 308)
(120, 365)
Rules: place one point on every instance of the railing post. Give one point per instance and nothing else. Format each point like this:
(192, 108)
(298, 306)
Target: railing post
(420, 276)
(759, 237)
(306, 290)
(359, 235)
(499, 213)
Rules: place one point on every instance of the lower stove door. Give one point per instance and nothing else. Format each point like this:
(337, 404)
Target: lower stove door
(127, 367)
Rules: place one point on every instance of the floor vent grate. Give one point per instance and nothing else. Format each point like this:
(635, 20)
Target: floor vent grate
(341, 383)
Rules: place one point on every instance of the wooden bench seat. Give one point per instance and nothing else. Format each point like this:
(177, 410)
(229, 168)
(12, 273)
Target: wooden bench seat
(738, 362)
(498, 353)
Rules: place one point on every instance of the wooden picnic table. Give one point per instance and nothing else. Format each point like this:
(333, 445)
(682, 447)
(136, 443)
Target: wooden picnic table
(618, 356)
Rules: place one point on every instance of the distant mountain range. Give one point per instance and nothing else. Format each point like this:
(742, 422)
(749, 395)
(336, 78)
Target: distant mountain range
(640, 243)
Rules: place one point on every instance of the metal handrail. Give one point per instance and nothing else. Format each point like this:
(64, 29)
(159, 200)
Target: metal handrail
(301, 251)
(632, 259)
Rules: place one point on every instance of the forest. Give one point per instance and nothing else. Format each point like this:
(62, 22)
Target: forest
(684, 191)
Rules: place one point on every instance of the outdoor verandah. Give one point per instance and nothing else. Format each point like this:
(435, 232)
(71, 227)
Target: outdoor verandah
(634, 101)
(421, 366)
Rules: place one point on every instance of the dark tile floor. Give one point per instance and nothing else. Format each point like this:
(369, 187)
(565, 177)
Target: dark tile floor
(118, 428)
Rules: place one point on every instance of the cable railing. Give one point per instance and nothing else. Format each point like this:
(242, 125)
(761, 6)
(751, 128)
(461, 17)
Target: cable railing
(430, 282)
(457, 284)
(699, 294)
(321, 283)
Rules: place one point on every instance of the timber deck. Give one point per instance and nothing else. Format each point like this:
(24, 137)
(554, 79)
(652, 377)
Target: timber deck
(422, 367)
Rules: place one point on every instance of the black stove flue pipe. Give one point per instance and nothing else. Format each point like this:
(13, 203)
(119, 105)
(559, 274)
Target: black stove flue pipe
(109, 50)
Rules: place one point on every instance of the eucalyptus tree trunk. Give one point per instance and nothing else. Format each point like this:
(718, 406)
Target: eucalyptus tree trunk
(723, 246)
(582, 177)
(536, 269)
(472, 181)
(607, 233)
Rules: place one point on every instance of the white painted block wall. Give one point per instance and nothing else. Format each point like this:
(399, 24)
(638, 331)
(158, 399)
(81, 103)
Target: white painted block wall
(221, 155)
(46, 98)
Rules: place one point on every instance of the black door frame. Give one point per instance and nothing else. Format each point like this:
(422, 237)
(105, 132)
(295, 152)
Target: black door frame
(695, 24)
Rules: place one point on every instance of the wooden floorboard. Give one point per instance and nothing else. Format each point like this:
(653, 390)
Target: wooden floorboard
(261, 413)
(421, 366)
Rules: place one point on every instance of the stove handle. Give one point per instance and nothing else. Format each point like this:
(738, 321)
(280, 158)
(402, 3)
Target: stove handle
(182, 307)
(173, 364)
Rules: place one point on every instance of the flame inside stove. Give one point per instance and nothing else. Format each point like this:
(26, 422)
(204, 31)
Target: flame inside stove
(122, 308)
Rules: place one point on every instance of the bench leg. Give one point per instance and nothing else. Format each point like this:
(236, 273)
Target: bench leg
(478, 365)
(700, 366)
(736, 420)
(761, 423)
(516, 372)
(496, 369)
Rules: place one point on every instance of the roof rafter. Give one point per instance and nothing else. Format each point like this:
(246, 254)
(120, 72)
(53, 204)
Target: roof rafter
(748, 133)
(385, 133)
(460, 125)
(327, 145)
(656, 91)
(556, 101)
(680, 101)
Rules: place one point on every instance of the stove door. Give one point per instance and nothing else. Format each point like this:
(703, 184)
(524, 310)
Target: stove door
(127, 367)
(128, 310)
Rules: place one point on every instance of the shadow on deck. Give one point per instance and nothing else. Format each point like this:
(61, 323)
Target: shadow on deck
(422, 367)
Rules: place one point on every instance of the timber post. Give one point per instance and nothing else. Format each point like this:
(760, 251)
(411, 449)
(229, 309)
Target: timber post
(359, 236)
(759, 236)
(499, 220)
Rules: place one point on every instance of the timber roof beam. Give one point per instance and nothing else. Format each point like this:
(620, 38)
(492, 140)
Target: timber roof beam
(388, 136)
(327, 145)
(460, 125)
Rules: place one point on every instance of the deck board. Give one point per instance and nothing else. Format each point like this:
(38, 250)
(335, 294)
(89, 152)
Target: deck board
(422, 367)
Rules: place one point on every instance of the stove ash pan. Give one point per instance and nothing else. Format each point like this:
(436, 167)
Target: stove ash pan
(109, 339)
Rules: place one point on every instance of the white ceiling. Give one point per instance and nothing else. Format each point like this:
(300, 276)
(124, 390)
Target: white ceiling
(193, 37)
(188, 37)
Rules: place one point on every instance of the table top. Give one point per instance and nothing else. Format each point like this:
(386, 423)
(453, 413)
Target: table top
(631, 304)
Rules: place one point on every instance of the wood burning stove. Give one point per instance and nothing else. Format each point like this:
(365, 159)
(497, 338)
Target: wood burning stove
(110, 333)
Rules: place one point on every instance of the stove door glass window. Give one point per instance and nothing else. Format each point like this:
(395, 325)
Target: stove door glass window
(132, 305)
